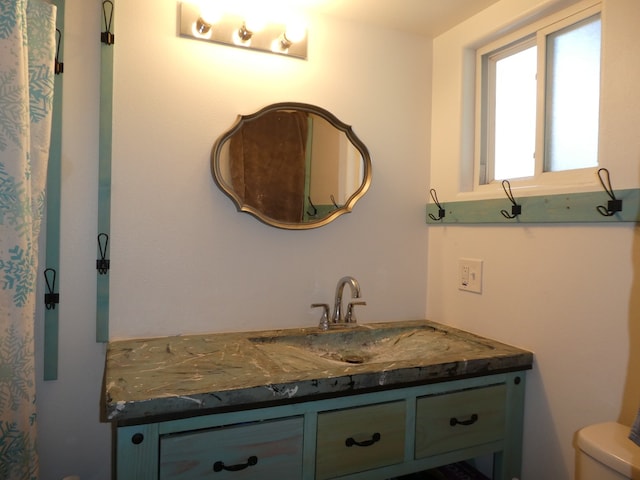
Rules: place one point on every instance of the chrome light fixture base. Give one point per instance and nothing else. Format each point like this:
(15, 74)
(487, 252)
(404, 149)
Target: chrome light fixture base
(231, 30)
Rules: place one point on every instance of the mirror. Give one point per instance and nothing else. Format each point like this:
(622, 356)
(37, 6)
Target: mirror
(291, 165)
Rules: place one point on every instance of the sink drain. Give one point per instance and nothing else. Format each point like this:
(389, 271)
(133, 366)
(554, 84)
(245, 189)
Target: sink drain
(352, 358)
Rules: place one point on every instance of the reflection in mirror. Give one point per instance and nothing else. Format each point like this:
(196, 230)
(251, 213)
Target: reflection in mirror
(292, 165)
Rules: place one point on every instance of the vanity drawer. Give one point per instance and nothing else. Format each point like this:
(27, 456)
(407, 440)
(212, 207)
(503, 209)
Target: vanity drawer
(358, 439)
(269, 449)
(460, 419)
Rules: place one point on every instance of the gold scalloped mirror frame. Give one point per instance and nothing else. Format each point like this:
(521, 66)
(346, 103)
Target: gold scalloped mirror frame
(227, 188)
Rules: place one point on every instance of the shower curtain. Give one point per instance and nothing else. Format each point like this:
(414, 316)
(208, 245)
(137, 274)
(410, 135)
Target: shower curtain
(27, 53)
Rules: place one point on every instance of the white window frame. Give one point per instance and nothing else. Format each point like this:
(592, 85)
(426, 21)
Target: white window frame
(533, 34)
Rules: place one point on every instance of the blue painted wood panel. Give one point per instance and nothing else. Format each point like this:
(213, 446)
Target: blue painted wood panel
(559, 208)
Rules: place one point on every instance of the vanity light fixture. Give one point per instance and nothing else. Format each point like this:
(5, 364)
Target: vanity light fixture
(208, 15)
(244, 34)
(201, 27)
(285, 37)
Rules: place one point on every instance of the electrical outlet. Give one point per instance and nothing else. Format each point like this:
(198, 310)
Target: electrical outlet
(470, 275)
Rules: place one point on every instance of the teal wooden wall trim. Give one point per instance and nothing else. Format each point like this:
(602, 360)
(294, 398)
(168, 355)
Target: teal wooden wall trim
(559, 208)
(104, 179)
(307, 171)
(54, 186)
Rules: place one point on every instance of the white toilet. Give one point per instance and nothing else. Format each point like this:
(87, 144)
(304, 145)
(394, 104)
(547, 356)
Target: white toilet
(604, 452)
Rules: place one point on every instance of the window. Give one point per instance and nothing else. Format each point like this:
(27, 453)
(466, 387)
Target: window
(538, 100)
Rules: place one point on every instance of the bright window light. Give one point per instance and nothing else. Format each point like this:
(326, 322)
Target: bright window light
(515, 115)
(538, 98)
(573, 96)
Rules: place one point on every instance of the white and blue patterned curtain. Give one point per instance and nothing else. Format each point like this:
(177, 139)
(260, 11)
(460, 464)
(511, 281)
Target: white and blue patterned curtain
(27, 52)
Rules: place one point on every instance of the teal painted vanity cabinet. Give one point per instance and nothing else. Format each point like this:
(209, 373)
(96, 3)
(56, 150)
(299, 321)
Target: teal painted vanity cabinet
(255, 450)
(292, 404)
(368, 436)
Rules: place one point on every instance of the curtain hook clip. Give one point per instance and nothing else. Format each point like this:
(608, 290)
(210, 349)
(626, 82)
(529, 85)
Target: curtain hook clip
(107, 37)
(58, 66)
(51, 299)
(314, 212)
(103, 264)
(614, 205)
(441, 212)
(515, 208)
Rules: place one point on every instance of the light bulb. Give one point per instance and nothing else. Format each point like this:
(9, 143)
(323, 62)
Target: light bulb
(279, 45)
(211, 12)
(296, 28)
(255, 20)
(295, 34)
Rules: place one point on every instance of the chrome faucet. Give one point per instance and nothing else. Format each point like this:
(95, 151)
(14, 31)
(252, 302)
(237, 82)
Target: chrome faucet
(355, 293)
(338, 318)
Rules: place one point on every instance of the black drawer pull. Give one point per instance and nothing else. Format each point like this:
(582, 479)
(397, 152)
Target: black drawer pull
(219, 466)
(349, 442)
(454, 421)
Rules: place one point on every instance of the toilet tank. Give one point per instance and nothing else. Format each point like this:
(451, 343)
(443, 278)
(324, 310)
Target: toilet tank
(604, 452)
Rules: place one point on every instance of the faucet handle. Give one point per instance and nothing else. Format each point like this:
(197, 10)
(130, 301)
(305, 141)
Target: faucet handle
(324, 320)
(350, 317)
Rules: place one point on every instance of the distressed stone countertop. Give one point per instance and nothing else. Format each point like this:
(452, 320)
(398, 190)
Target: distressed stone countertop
(193, 374)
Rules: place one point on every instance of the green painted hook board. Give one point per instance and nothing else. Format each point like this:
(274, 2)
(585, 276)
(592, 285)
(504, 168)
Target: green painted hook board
(559, 208)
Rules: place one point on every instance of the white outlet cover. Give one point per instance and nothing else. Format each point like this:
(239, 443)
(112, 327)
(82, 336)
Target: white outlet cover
(470, 275)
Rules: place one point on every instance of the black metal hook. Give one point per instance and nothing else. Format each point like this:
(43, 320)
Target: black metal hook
(315, 210)
(103, 264)
(58, 67)
(515, 208)
(333, 200)
(614, 205)
(51, 298)
(441, 212)
(107, 37)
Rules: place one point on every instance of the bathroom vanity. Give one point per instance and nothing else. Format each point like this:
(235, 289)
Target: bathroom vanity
(371, 402)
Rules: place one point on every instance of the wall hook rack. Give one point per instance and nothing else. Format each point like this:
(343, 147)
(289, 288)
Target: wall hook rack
(103, 264)
(515, 208)
(441, 212)
(614, 205)
(51, 298)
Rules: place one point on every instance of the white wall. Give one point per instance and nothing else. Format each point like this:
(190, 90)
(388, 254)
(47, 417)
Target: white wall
(567, 292)
(183, 260)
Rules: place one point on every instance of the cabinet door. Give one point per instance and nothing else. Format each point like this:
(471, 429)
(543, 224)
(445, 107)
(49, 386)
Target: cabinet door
(261, 450)
(460, 419)
(358, 439)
